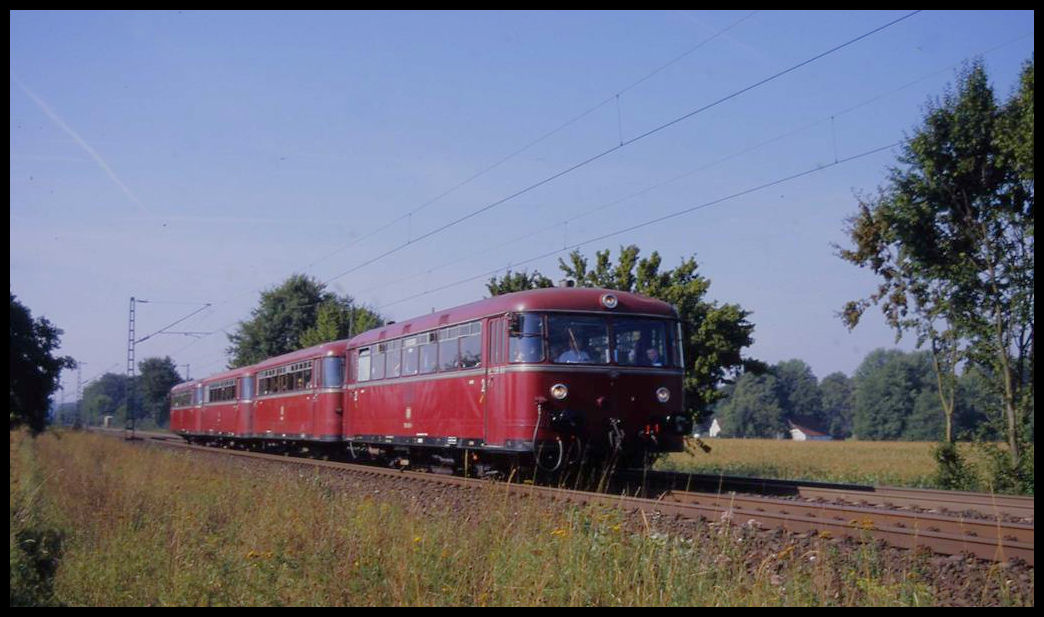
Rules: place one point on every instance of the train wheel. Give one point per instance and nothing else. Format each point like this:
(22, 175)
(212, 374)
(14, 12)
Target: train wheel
(550, 455)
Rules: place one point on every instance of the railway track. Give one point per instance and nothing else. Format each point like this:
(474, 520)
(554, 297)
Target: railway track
(857, 512)
(929, 501)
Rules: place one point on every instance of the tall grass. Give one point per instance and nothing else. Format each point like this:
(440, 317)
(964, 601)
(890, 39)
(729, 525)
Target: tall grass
(144, 526)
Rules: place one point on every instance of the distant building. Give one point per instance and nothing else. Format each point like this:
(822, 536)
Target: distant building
(708, 429)
(801, 429)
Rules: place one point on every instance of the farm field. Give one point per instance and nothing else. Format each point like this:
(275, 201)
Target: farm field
(881, 463)
(96, 521)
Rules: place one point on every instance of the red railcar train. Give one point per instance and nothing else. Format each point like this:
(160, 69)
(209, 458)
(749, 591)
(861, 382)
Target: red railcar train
(547, 375)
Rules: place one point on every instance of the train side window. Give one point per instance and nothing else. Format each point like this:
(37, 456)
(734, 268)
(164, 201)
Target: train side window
(526, 342)
(246, 388)
(449, 349)
(363, 365)
(333, 372)
(393, 358)
(410, 356)
(471, 345)
(377, 362)
(429, 350)
(676, 345)
(496, 328)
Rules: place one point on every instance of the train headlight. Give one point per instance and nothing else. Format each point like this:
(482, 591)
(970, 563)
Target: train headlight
(663, 395)
(609, 301)
(559, 391)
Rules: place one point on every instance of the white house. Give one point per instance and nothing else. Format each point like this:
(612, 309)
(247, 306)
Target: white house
(804, 433)
(711, 429)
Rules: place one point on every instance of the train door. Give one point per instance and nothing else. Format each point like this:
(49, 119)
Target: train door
(245, 407)
(493, 386)
(316, 425)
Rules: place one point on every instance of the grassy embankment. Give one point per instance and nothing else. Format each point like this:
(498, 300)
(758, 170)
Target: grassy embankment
(96, 521)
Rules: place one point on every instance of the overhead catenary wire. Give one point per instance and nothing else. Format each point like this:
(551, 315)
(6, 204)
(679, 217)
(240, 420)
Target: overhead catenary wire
(615, 96)
(622, 145)
(779, 137)
(653, 221)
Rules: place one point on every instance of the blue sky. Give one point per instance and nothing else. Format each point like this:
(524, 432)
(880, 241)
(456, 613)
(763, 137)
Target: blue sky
(201, 157)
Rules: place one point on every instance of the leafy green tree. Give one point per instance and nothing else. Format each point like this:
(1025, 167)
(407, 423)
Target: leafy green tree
(284, 316)
(894, 397)
(517, 281)
(338, 319)
(752, 408)
(106, 396)
(951, 238)
(34, 370)
(156, 376)
(835, 391)
(798, 390)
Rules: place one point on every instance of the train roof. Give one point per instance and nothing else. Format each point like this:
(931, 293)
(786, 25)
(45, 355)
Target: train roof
(231, 373)
(578, 299)
(185, 385)
(324, 349)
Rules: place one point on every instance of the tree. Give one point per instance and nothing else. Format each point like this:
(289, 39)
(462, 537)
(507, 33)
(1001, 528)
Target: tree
(951, 238)
(835, 393)
(894, 397)
(798, 391)
(156, 376)
(519, 281)
(106, 396)
(752, 408)
(289, 311)
(338, 319)
(34, 371)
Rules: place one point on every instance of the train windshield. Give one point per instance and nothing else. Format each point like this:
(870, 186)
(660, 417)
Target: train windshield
(593, 339)
(578, 339)
(640, 342)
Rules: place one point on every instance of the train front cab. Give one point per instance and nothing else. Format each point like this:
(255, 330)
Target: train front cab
(586, 383)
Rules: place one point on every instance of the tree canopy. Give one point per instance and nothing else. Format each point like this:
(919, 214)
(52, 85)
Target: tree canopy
(156, 376)
(950, 237)
(34, 370)
(297, 314)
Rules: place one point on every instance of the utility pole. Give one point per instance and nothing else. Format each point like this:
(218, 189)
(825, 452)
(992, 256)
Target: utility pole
(129, 421)
(131, 342)
(187, 377)
(78, 423)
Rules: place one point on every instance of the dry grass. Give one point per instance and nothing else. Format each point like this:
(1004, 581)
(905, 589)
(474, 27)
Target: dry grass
(883, 463)
(142, 526)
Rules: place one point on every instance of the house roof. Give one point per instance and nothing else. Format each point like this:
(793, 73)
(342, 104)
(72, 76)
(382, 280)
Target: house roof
(805, 426)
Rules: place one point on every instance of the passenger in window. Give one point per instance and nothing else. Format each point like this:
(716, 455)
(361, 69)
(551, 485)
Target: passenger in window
(652, 357)
(575, 353)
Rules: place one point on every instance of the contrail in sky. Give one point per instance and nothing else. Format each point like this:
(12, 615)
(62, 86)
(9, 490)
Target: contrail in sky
(83, 144)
